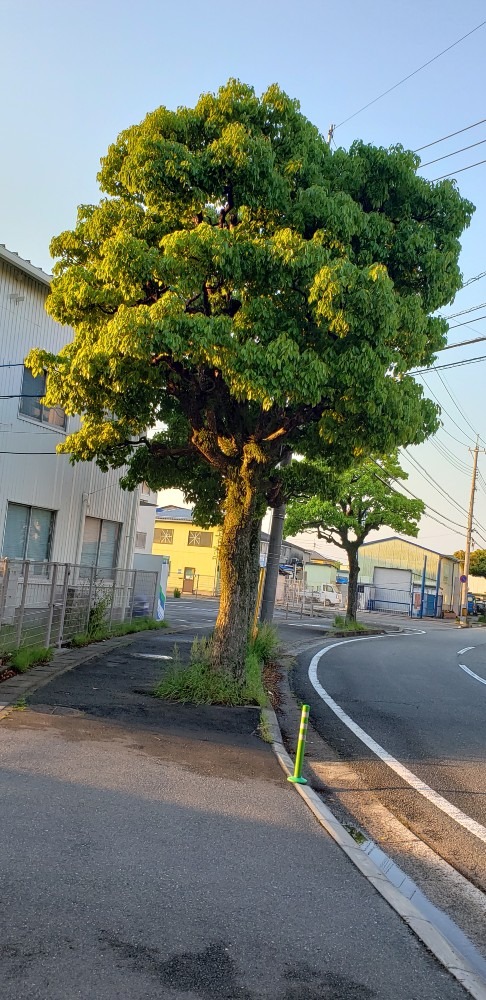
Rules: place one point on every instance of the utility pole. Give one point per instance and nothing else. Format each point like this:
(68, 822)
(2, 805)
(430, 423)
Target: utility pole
(467, 551)
(330, 134)
(273, 555)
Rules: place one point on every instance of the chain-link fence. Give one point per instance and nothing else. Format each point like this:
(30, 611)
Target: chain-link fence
(47, 604)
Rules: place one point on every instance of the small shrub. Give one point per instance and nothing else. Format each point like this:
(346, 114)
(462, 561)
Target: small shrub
(177, 592)
(97, 614)
(29, 656)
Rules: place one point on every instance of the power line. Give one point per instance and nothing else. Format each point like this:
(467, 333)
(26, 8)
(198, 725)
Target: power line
(460, 171)
(463, 312)
(476, 278)
(464, 343)
(463, 443)
(440, 488)
(55, 453)
(453, 364)
(464, 322)
(443, 409)
(454, 400)
(425, 475)
(395, 480)
(450, 136)
(410, 75)
(455, 153)
(449, 457)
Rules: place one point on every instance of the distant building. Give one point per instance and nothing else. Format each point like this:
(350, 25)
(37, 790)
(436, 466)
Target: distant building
(192, 551)
(393, 569)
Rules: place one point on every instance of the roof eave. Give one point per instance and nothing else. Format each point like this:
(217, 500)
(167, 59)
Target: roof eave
(25, 266)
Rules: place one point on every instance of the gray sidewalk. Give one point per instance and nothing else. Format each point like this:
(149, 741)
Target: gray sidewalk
(152, 851)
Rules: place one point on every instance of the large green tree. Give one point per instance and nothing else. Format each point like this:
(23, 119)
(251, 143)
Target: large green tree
(347, 506)
(254, 293)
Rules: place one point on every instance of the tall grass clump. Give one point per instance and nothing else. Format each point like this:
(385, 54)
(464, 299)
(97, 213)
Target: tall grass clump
(198, 682)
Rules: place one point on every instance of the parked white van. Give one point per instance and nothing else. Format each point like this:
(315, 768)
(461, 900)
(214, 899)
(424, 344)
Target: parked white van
(327, 595)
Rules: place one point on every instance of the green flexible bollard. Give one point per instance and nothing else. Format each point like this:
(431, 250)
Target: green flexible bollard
(296, 777)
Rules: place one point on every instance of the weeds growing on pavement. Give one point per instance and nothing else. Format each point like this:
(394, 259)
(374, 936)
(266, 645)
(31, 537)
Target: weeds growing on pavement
(264, 729)
(198, 681)
(29, 656)
(119, 628)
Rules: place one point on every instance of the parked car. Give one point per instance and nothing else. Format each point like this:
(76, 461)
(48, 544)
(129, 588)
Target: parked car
(328, 596)
(480, 605)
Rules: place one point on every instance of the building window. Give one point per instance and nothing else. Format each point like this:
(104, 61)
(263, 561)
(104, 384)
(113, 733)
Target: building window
(28, 533)
(164, 536)
(141, 539)
(33, 389)
(202, 538)
(100, 545)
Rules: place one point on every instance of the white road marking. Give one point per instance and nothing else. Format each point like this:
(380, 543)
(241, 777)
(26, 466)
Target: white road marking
(151, 656)
(303, 625)
(471, 673)
(465, 650)
(411, 779)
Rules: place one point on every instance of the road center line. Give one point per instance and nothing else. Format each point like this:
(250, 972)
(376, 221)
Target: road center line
(465, 650)
(403, 772)
(471, 673)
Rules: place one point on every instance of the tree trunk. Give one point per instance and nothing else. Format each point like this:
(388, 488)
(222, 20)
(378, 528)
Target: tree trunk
(353, 583)
(238, 556)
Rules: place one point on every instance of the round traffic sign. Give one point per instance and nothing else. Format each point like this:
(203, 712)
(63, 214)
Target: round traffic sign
(463, 578)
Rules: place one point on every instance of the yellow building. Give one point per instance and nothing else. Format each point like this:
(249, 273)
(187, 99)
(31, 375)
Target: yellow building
(192, 551)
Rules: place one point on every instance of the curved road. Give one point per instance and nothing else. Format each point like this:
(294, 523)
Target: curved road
(410, 696)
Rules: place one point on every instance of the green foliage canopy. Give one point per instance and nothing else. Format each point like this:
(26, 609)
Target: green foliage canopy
(249, 289)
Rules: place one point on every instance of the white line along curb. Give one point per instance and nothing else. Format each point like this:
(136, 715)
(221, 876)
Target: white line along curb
(403, 772)
(433, 938)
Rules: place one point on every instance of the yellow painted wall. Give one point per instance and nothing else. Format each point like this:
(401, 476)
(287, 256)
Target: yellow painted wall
(183, 555)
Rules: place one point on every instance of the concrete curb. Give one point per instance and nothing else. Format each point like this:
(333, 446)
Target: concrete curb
(430, 935)
(64, 660)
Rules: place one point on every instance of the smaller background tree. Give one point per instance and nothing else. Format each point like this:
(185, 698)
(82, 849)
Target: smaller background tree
(477, 561)
(346, 506)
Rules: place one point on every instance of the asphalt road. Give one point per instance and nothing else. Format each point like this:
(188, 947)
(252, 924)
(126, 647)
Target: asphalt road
(149, 851)
(409, 694)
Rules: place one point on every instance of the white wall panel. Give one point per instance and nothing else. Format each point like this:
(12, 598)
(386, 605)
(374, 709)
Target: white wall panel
(47, 480)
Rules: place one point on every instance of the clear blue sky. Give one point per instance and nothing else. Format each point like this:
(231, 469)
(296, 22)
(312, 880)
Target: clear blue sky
(74, 74)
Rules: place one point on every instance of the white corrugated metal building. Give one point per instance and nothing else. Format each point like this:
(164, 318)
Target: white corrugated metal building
(50, 509)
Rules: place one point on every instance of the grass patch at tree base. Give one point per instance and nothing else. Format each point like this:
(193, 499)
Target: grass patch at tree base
(346, 625)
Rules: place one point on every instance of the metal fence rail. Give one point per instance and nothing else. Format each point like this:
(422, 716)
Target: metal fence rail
(47, 604)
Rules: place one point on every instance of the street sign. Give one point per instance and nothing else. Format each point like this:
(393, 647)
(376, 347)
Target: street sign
(463, 578)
